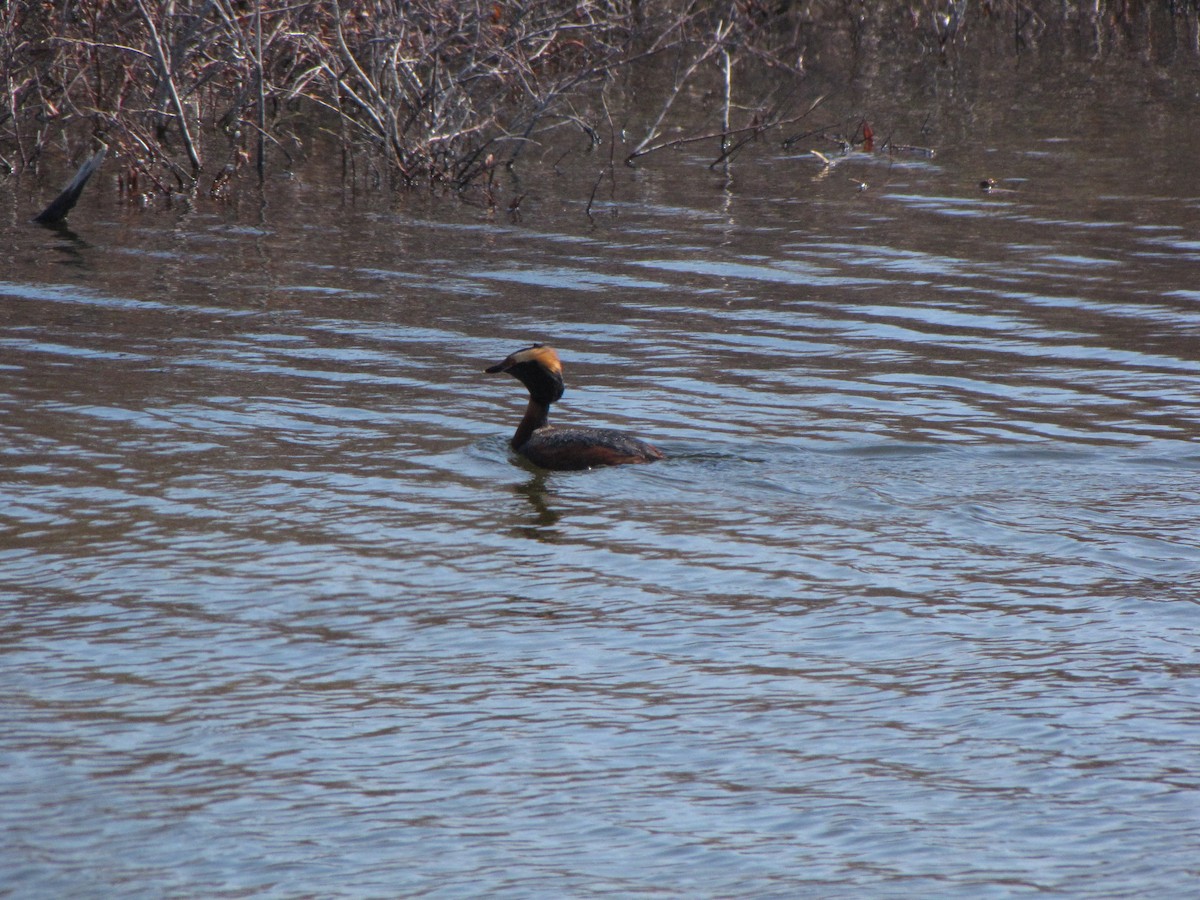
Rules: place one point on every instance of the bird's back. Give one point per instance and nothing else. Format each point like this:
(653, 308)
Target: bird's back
(571, 447)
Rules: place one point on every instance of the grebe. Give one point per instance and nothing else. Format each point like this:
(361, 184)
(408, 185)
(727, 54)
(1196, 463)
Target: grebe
(558, 446)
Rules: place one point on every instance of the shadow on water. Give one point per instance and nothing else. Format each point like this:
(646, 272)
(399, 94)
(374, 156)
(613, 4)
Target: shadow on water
(72, 248)
(545, 519)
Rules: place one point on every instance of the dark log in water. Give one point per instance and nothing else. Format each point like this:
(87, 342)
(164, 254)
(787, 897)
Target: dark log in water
(56, 213)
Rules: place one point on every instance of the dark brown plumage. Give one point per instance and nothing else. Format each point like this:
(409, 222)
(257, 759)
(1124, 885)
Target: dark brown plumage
(558, 446)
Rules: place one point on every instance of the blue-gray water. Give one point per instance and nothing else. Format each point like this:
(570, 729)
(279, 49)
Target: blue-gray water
(911, 610)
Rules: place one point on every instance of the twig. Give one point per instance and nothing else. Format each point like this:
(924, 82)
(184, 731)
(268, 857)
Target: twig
(595, 187)
(388, 127)
(611, 168)
(262, 101)
(721, 33)
(727, 66)
(165, 68)
(756, 128)
(101, 45)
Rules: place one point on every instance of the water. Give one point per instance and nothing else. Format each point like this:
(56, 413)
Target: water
(909, 611)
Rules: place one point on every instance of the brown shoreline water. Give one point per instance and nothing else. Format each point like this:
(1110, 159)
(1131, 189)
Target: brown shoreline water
(909, 611)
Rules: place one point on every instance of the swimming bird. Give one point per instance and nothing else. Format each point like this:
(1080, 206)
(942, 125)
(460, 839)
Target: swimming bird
(564, 447)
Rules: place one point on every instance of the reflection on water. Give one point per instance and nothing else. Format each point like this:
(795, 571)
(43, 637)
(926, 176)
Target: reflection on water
(909, 609)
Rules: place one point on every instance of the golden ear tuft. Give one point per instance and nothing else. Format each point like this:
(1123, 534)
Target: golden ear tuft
(542, 355)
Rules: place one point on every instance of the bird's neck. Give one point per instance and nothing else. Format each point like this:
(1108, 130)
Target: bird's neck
(536, 414)
(535, 417)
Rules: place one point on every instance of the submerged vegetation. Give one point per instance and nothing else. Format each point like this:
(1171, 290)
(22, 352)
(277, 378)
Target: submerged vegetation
(191, 93)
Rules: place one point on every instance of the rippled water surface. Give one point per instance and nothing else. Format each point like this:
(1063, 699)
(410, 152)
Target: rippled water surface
(910, 610)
